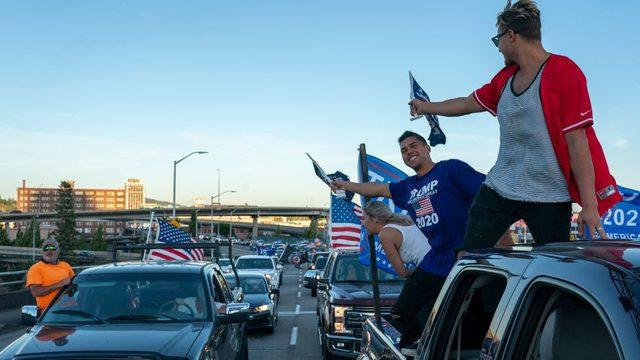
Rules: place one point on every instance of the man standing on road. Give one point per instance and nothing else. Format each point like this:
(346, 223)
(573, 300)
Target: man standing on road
(438, 199)
(549, 154)
(48, 275)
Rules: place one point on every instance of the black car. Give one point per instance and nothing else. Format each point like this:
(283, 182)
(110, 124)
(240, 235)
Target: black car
(345, 301)
(575, 300)
(310, 279)
(139, 310)
(261, 297)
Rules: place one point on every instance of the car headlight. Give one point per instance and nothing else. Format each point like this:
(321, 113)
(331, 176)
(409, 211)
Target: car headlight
(261, 308)
(339, 313)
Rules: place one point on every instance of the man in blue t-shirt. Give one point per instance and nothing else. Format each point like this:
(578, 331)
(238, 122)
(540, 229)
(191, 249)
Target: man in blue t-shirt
(438, 199)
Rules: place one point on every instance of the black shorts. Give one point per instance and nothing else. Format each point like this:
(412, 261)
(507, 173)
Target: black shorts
(491, 215)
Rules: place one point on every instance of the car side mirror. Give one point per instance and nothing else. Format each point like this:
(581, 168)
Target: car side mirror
(235, 313)
(29, 315)
(323, 283)
(275, 291)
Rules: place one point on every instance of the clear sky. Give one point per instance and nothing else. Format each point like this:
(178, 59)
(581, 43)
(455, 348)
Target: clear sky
(100, 91)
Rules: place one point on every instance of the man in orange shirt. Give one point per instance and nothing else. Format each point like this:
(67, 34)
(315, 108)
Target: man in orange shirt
(47, 276)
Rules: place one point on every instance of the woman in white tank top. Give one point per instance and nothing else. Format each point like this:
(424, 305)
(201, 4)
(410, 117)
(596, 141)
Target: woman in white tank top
(401, 239)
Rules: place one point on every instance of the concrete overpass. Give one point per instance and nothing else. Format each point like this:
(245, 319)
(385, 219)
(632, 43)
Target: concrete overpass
(143, 214)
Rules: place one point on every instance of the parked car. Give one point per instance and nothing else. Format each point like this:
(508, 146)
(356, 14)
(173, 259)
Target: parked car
(261, 264)
(142, 310)
(345, 301)
(225, 265)
(310, 279)
(577, 300)
(262, 298)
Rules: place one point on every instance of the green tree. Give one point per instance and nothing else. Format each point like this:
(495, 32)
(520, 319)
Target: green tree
(65, 232)
(7, 204)
(193, 224)
(4, 239)
(30, 234)
(98, 243)
(312, 230)
(278, 231)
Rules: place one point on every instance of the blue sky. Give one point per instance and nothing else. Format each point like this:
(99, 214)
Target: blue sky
(100, 91)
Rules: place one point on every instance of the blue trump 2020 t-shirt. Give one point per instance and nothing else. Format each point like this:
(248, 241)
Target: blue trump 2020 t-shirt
(439, 203)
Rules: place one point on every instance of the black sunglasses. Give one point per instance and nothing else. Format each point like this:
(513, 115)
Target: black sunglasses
(496, 38)
(49, 248)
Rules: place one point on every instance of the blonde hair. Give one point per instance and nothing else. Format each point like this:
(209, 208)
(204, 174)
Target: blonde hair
(522, 17)
(379, 211)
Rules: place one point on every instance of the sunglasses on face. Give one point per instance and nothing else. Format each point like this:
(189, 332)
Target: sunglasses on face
(496, 39)
(49, 248)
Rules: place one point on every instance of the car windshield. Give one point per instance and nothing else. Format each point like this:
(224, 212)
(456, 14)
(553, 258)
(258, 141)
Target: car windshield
(349, 269)
(224, 262)
(130, 297)
(253, 285)
(321, 263)
(254, 264)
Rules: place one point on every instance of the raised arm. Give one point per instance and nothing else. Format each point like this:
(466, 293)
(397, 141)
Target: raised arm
(366, 189)
(452, 107)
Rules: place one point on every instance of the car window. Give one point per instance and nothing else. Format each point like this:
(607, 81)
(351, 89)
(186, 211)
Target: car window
(467, 314)
(254, 264)
(253, 285)
(320, 263)
(555, 323)
(327, 269)
(131, 297)
(349, 269)
(224, 262)
(221, 287)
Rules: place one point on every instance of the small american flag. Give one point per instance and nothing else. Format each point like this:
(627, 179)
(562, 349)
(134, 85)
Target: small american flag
(423, 206)
(345, 223)
(170, 234)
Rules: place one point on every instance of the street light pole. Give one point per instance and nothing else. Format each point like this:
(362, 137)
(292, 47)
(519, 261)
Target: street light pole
(175, 164)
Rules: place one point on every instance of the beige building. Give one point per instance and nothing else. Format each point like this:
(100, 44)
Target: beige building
(134, 193)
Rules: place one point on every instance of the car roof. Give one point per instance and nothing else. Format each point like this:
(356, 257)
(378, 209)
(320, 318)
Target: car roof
(150, 266)
(254, 257)
(624, 254)
(244, 275)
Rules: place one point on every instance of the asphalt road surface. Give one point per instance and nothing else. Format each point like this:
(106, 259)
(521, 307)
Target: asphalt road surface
(295, 336)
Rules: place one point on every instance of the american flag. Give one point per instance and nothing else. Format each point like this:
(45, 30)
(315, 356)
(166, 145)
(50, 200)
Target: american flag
(423, 206)
(345, 223)
(169, 234)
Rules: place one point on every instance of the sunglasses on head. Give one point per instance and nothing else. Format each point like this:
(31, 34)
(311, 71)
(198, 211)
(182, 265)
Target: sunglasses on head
(49, 248)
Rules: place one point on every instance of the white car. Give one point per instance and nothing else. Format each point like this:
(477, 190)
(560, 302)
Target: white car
(260, 264)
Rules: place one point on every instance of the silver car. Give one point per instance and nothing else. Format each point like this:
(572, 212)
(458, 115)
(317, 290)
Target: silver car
(260, 264)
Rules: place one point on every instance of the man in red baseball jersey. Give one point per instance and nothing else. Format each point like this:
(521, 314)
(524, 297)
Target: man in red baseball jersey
(549, 155)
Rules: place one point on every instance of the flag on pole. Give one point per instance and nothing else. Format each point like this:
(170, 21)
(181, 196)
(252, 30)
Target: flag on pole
(436, 136)
(345, 223)
(379, 172)
(170, 234)
(622, 221)
(318, 170)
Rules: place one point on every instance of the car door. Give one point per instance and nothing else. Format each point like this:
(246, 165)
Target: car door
(227, 339)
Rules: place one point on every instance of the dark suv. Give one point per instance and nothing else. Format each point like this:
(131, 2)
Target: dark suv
(141, 310)
(345, 301)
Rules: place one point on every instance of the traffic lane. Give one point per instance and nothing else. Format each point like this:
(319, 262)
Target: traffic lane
(295, 336)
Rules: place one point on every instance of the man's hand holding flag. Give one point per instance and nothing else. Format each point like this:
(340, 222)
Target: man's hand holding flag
(418, 95)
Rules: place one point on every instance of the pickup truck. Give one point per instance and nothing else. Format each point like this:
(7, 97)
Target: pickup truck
(139, 310)
(575, 300)
(345, 301)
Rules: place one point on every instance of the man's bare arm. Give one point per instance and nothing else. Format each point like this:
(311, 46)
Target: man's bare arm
(582, 168)
(40, 290)
(452, 107)
(366, 189)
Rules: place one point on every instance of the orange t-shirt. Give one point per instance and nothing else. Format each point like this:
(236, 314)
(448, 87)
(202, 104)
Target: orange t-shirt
(45, 274)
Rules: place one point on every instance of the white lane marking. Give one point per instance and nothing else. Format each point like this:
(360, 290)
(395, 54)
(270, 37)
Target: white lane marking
(293, 313)
(294, 336)
(299, 293)
(297, 308)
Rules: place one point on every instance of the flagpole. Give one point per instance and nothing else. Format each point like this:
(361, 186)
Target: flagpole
(327, 231)
(372, 246)
(144, 254)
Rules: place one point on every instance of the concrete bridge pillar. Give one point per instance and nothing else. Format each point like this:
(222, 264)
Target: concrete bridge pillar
(254, 233)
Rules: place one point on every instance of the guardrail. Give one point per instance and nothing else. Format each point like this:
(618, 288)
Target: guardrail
(22, 274)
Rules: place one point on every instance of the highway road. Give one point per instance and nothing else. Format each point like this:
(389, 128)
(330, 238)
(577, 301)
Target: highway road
(295, 335)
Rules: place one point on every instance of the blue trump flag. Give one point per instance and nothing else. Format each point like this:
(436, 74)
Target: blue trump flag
(621, 221)
(379, 172)
(436, 136)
